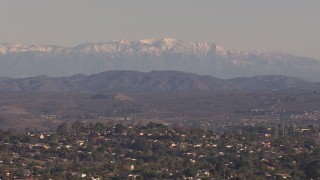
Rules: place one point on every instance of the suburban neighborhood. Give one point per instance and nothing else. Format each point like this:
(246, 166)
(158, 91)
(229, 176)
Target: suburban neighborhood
(117, 151)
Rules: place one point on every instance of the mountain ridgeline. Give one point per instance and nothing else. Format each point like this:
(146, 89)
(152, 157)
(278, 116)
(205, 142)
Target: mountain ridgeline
(205, 58)
(154, 81)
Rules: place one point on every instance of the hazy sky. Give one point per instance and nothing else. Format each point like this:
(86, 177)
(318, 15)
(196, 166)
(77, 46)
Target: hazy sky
(288, 25)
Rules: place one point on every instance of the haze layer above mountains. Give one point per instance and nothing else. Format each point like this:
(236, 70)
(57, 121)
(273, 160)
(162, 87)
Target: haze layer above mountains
(205, 58)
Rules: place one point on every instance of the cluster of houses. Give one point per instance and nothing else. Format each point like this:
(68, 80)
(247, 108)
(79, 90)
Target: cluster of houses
(129, 152)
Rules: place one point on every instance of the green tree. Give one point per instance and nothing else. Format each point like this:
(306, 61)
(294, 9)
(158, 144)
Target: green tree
(62, 128)
(190, 172)
(78, 126)
(312, 170)
(119, 128)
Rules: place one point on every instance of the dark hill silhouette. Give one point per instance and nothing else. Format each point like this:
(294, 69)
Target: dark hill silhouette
(127, 81)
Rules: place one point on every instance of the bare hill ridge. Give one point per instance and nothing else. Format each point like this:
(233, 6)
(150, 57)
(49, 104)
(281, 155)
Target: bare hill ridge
(128, 81)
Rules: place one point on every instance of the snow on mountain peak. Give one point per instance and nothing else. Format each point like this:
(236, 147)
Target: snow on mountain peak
(158, 40)
(155, 46)
(147, 41)
(18, 47)
(150, 54)
(221, 50)
(151, 46)
(167, 41)
(164, 44)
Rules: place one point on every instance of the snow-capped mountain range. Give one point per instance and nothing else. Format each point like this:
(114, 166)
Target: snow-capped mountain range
(206, 58)
(145, 46)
